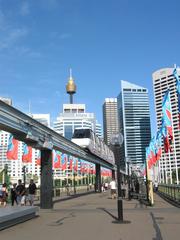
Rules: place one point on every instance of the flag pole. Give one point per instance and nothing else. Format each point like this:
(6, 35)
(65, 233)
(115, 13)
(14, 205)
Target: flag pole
(175, 156)
(159, 173)
(163, 176)
(165, 167)
(170, 167)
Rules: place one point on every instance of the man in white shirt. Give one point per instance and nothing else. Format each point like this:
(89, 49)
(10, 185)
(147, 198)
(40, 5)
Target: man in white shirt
(113, 188)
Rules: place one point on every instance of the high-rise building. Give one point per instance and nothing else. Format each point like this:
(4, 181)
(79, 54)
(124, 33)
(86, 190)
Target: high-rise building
(110, 119)
(15, 166)
(134, 123)
(75, 116)
(163, 79)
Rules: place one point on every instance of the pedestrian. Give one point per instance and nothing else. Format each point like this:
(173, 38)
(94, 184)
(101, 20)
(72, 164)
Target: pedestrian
(20, 191)
(3, 195)
(106, 186)
(13, 195)
(32, 191)
(113, 188)
(156, 186)
(137, 186)
(67, 189)
(123, 190)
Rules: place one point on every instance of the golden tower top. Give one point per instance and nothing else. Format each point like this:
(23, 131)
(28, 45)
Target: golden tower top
(71, 87)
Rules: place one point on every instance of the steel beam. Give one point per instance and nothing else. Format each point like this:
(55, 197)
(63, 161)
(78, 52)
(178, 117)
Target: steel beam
(37, 135)
(98, 178)
(46, 180)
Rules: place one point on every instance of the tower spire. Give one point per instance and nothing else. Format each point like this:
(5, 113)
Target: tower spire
(70, 73)
(71, 87)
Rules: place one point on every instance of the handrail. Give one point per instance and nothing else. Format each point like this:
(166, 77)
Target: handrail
(171, 192)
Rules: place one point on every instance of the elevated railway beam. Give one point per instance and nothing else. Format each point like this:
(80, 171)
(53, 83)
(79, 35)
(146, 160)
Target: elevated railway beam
(39, 136)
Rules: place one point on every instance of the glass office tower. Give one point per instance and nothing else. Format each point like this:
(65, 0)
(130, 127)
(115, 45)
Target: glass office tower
(110, 119)
(134, 123)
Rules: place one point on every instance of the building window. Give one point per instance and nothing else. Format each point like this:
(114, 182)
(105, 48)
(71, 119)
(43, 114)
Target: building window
(68, 131)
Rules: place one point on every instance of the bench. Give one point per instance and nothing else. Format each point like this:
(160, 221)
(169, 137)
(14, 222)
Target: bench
(10, 216)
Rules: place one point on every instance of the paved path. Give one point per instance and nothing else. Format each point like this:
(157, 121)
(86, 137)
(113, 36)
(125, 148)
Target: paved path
(94, 217)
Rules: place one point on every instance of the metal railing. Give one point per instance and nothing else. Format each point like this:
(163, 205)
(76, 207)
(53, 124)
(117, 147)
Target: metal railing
(67, 191)
(171, 192)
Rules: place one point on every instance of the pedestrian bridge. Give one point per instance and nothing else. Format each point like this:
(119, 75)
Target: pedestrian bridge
(37, 135)
(94, 216)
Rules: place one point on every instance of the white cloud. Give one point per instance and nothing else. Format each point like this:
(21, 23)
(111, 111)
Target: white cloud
(11, 36)
(15, 34)
(25, 51)
(24, 9)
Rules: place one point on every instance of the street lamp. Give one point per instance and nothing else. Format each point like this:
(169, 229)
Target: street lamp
(116, 142)
(74, 180)
(24, 174)
(128, 161)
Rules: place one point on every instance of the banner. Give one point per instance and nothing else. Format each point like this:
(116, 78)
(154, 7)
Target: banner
(56, 159)
(12, 151)
(27, 154)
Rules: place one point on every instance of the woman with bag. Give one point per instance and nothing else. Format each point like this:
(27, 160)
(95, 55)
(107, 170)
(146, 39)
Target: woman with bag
(4, 195)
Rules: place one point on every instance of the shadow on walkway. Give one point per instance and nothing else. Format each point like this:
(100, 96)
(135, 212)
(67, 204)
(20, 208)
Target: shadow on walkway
(114, 217)
(156, 227)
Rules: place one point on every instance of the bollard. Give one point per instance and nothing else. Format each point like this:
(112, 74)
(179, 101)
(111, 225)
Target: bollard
(120, 209)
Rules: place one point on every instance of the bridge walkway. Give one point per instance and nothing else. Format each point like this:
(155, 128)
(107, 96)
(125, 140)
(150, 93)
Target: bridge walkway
(94, 217)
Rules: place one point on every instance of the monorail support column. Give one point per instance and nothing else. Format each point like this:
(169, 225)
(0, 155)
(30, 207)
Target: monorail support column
(46, 189)
(113, 174)
(98, 178)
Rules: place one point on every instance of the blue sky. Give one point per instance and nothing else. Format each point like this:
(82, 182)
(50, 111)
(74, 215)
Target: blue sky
(103, 41)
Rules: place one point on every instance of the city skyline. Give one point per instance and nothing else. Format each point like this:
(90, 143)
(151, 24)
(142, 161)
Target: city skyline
(115, 41)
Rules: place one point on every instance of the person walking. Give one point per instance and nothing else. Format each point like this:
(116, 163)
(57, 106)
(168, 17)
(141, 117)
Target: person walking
(137, 187)
(113, 188)
(123, 189)
(20, 191)
(32, 191)
(13, 195)
(4, 195)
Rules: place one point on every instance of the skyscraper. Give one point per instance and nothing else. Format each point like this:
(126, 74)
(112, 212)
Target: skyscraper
(75, 116)
(110, 118)
(134, 122)
(15, 166)
(163, 79)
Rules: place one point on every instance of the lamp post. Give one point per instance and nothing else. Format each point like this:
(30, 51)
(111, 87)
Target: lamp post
(74, 180)
(24, 174)
(116, 142)
(129, 189)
